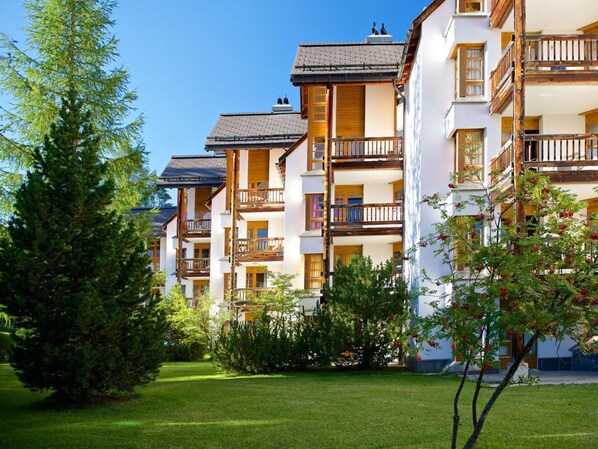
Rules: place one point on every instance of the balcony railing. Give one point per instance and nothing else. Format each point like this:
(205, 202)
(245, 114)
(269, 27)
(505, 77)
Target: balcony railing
(269, 248)
(549, 58)
(195, 267)
(197, 227)
(261, 199)
(244, 296)
(367, 149)
(568, 153)
(366, 218)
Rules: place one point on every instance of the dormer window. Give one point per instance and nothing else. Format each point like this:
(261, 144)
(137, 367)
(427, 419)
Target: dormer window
(470, 6)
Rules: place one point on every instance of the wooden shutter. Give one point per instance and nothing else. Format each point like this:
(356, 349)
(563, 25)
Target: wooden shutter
(258, 168)
(350, 111)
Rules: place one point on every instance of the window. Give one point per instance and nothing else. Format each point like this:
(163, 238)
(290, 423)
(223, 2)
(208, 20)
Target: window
(317, 154)
(153, 252)
(314, 212)
(469, 152)
(397, 256)
(227, 241)
(470, 239)
(314, 271)
(470, 71)
(464, 6)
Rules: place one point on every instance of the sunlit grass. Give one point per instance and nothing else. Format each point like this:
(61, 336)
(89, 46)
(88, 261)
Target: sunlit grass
(194, 406)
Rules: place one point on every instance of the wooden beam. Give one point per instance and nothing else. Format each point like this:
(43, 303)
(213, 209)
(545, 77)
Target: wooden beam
(519, 104)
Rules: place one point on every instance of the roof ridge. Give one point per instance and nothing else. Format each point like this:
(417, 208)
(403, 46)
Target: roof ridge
(198, 156)
(347, 44)
(233, 114)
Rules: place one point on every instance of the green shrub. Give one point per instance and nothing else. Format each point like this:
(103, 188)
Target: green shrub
(188, 327)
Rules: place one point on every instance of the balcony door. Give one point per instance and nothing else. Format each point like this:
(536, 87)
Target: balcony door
(350, 118)
(258, 170)
(256, 278)
(256, 231)
(348, 196)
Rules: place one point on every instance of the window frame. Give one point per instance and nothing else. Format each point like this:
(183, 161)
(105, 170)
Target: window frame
(312, 222)
(461, 76)
(462, 6)
(313, 282)
(462, 159)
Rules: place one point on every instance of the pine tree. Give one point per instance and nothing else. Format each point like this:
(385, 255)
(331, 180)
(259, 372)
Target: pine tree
(75, 277)
(70, 47)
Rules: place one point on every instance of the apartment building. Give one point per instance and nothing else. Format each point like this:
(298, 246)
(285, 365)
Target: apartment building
(457, 75)
(186, 247)
(248, 233)
(345, 183)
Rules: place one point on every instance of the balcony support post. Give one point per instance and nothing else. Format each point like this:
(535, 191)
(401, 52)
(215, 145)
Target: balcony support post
(326, 259)
(519, 105)
(233, 226)
(179, 233)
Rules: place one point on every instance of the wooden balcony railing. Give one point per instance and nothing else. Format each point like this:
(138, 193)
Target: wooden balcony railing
(567, 154)
(549, 58)
(561, 150)
(197, 227)
(270, 248)
(499, 12)
(244, 296)
(501, 165)
(366, 218)
(195, 267)
(261, 199)
(367, 149)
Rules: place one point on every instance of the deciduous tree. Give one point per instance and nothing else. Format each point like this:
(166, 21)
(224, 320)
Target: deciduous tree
(70, 46)
(537, 279)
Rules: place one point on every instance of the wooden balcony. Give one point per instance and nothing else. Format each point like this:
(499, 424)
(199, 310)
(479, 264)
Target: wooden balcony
(260, 249)
(563, 157)
(197, 228)
(571, 59)
(366, 219)
(195, 267)
(259, 200)
(367, 152)
(500, 10)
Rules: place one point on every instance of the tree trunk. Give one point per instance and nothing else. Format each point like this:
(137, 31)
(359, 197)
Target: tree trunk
(473, 438)
(456, 418)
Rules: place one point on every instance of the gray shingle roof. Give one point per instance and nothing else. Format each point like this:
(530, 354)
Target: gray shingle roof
(159, 217)
(348, 62)
(256, 130)
(193, 171)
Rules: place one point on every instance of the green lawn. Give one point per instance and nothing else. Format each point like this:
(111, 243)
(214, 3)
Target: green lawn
(193, 406)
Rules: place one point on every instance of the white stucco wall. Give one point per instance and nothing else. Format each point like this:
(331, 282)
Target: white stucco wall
(379, 110)
(217, 246)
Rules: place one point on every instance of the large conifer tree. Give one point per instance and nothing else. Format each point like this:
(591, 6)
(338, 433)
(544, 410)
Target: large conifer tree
(70, 46)
(75, 277)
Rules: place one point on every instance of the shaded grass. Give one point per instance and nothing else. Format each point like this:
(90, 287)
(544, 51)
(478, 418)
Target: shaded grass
(193, 406)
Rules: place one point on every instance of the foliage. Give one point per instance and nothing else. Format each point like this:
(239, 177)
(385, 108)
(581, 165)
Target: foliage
(508, 278)
(370, 311)
(76, 280)
(5, 334)
(281, 338)
(70, 47)
(188, 328)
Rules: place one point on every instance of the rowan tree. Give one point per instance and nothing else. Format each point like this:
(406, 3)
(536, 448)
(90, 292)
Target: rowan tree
(70, 46)
(537, 278)
(75, 276)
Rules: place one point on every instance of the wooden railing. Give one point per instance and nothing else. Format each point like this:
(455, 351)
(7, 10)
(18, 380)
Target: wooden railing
(260, 198)
(245, 295)
(503, 72)
(269, 248)
(360, 149)
(561, 52)
(549, 150)
(549, 58)
(197, 227)
(195, 267)
(360, 215)
(502, 164)
(561, 150)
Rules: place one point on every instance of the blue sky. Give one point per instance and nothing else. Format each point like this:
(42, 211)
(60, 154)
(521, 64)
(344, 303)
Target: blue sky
(190, 60)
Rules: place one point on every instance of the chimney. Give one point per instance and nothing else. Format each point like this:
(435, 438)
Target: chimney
(379, 39)
(282, 105)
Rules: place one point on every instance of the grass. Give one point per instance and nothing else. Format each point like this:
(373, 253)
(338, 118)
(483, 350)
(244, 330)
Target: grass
(191, 405)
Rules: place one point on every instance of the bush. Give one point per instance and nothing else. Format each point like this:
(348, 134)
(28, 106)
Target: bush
(188, 328)
(369, 308)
